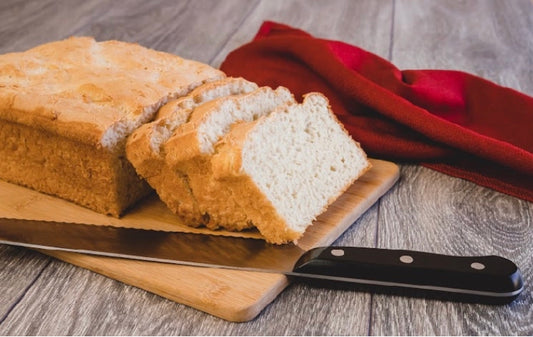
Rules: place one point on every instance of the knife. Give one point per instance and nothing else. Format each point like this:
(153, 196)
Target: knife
(482, 279)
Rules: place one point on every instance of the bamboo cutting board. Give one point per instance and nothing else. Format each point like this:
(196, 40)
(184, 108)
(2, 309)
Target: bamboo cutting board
(232, 295)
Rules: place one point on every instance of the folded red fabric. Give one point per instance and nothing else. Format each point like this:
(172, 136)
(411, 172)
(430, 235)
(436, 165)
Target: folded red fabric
(450, 121)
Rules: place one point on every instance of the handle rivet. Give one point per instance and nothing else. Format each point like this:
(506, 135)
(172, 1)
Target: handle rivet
(337, 252)
(406, 259)
(477, 266)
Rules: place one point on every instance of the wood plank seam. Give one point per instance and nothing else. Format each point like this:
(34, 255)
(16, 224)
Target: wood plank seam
(391, 38)
(230, 36)
(376, 235)
(370, 312)
(24, 292)
(80, 31)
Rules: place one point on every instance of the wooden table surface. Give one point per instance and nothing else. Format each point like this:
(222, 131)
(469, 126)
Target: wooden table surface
(426, 210)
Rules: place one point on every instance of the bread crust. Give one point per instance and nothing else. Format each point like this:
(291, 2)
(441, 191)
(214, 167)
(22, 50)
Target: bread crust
(79, 88)
(230, 85)
(227, 171)
(66, 109)
(184, 154)
(89, 176)
(174, 187)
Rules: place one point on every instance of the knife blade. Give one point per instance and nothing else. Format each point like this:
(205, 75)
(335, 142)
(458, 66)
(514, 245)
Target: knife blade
(483, 279)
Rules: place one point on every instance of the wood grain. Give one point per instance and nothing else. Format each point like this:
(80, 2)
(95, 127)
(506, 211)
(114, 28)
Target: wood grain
(15, 281)
(192, 29)
(451, 215)
(493, 224)
(357, 22)
(488, 38)
(232, 295)
(24, 24)
(427, 210)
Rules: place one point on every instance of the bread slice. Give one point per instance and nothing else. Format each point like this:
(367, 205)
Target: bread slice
(286, 168)
(189, 151)
(67, 107)
(144, 146)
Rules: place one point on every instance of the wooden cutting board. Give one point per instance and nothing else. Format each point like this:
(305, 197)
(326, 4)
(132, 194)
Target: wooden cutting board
(232, 295)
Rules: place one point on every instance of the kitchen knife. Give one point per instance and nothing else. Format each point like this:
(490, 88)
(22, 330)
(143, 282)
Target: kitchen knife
(485, 279)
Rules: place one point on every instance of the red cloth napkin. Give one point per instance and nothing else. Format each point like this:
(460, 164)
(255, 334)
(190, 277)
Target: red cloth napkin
(450, 121)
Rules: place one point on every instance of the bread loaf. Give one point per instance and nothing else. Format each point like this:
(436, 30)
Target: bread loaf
(286, 168)
(67, 107)
(85, 120)
(144, 147)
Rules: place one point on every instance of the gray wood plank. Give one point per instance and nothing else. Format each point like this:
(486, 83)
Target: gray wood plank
(364, 23)
(491, 39)
(460, 218)
(192, 29)
(25, 24)
(19, 268)
(437, 213)
(68, 300)
(73, 301)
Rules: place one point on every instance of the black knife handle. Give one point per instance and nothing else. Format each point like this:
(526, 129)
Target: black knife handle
(486, 279)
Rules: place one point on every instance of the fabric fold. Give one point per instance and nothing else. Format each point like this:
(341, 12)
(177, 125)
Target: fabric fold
(451, 121)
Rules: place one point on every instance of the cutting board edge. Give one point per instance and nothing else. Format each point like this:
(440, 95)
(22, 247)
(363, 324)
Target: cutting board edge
(262, 290)
(244, 313)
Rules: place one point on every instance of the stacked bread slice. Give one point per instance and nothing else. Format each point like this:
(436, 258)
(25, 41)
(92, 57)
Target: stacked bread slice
(145, 145)
(247, 157)
(189, 151)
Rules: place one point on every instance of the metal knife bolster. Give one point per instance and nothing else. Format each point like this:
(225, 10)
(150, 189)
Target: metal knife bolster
(484, 276)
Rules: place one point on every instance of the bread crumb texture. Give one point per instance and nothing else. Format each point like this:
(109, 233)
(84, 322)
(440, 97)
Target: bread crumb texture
(286, 168)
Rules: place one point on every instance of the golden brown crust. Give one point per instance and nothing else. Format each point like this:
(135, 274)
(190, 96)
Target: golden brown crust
(172, 106)
(171, 186)
(216, 202)
(148, 157)
(91, 177)
(66, 108)
(79, 88)
(139, 153)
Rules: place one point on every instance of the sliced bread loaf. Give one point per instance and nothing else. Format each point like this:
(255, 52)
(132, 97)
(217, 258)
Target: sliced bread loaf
(189, 151)
(144, 146)
(286, 168)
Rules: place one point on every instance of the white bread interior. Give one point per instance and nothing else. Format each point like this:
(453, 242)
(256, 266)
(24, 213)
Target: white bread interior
(286, 168)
